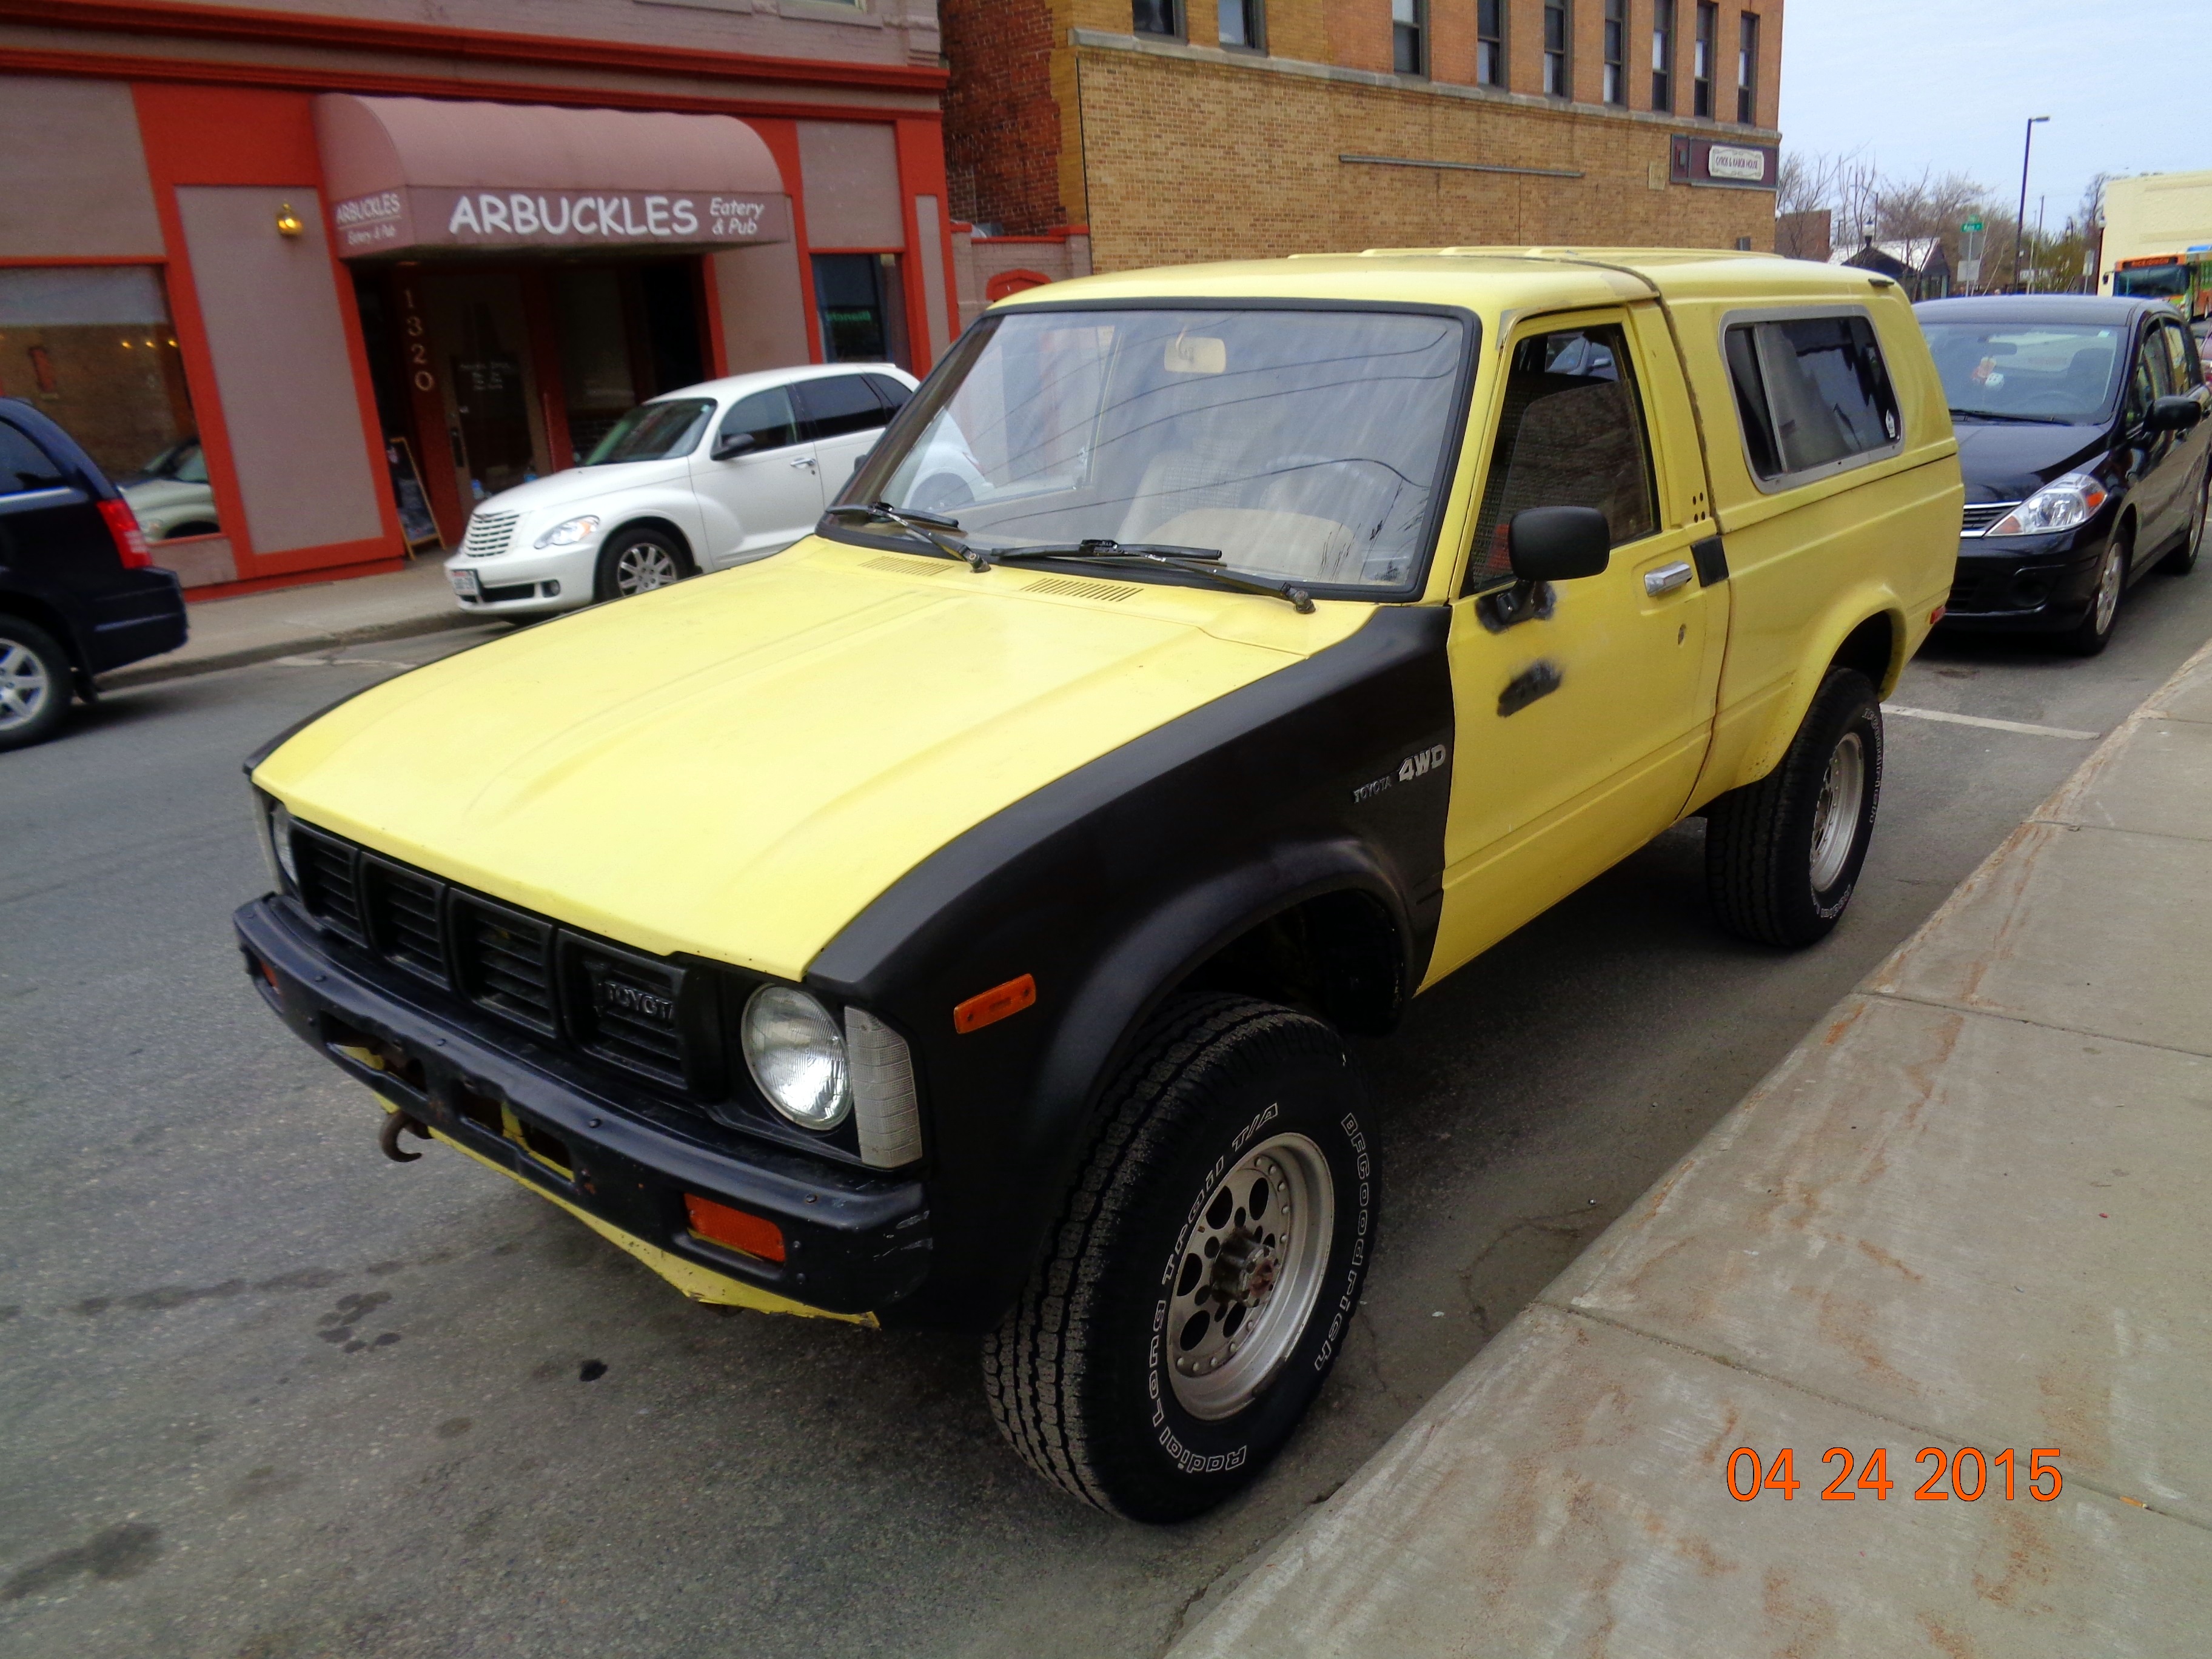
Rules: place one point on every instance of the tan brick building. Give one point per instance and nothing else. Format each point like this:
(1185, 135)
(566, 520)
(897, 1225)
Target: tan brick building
(1187, 130)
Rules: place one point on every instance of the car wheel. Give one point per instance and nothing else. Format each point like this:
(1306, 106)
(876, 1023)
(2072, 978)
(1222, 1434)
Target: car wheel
(638, 561)
(2094, 631)
(34, 685)
(1203, 1270)
(1782, 855)
(2183, 559)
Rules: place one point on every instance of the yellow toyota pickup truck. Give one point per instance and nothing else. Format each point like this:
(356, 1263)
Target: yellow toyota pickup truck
(951, 919)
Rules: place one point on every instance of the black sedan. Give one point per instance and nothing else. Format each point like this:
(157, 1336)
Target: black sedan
(2081, 436)
(79, 594)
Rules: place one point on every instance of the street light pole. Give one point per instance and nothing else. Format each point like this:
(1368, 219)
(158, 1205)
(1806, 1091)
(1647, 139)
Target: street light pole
(2019, 222)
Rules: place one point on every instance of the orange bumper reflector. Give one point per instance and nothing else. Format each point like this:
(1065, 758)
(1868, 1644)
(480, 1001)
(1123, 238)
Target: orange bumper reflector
(719, 1223)
(1937, 615)
(989, 1008)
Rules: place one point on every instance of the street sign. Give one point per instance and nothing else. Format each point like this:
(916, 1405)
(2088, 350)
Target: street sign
(1970, 271)
(1973, 227)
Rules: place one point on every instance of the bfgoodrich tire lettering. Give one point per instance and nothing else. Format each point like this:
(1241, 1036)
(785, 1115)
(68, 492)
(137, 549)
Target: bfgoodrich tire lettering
(1082, 1372)
(1782, 855)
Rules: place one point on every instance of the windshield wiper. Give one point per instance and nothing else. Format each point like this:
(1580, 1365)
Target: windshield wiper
(1155, 556)
(2025, 420)
(932, 527)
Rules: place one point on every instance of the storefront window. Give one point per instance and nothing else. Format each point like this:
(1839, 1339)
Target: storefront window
(92, 348)
(862, 307)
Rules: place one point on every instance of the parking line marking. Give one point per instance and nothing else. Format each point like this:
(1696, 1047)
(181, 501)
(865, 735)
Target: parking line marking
(1994, 725)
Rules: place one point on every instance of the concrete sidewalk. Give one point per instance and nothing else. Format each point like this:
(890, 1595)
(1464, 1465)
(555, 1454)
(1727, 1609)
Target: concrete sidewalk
(258, 627)
(1974, 1208)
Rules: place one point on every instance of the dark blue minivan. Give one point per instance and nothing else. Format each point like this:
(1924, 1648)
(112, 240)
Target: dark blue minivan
(79, 593)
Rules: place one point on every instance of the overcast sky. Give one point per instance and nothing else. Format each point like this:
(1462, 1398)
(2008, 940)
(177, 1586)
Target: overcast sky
(1948, 84)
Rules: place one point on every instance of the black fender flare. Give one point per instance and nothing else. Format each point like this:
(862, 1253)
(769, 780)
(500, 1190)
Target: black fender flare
(1143, 967)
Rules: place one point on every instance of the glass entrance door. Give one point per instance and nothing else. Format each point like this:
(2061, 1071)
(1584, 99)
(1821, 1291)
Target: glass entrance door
(480, 336)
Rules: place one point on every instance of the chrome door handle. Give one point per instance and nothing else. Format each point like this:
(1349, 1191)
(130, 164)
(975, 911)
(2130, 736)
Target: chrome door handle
(803, 460)
(1666, 578)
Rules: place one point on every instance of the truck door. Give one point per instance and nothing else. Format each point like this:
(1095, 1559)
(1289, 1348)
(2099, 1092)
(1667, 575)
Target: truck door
(1582, 711)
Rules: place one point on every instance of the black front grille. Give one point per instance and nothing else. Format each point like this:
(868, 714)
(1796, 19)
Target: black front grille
(649, 1017)
(329, 881)
(406, 917)
(506, 959)
(627, 1009)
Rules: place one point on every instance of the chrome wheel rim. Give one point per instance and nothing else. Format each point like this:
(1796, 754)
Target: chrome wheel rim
(643, 566)
(25, 685)
(2109, 579)
(1248, 1276)
(1836, 814)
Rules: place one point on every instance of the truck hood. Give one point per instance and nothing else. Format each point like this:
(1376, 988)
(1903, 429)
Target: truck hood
(736, 766)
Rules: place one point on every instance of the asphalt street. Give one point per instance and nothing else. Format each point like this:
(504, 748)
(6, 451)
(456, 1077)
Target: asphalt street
(264, 1395)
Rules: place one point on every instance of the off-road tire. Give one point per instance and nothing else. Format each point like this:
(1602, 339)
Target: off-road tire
(1761, 840)
(1079, 1372)
(40, 679)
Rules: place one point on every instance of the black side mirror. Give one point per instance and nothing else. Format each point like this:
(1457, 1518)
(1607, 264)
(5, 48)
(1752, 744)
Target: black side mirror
(734, 443)
(1558, 544)
(2173, 415)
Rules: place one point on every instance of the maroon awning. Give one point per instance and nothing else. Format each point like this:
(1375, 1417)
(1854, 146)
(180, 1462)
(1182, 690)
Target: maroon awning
(419, 177)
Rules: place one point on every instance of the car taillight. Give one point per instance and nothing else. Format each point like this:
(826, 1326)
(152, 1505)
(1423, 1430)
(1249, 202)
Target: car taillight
(130, 540)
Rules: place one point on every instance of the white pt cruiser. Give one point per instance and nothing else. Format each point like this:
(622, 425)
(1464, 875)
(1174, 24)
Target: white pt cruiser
(712, 476)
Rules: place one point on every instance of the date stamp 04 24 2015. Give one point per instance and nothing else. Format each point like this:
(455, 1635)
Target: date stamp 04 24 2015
(1965, 1474)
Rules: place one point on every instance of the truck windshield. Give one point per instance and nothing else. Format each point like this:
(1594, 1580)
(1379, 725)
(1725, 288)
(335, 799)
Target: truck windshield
(2062, 372)
(1304, 445)
(654, 431)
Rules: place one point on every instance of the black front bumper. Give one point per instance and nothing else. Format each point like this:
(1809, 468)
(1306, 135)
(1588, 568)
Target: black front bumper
(854, 1243)
(2025, 584)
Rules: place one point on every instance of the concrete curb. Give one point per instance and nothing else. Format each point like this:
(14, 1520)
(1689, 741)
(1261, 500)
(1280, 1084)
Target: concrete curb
(1965, 1212)
(175, 668)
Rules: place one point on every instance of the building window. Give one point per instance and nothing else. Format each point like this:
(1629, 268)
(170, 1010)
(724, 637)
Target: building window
(1244, 23)
(1701, 67)
(1157, 16)
(862, 307)
(1662, 56)
(1616, 52)
(1490, 42)
(1746, 71)
(1558, 82)
(92, 348)
(1409, 36)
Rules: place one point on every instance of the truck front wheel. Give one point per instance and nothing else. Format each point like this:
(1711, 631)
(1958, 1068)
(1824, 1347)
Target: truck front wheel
(1202, 1274)
(1783, 854)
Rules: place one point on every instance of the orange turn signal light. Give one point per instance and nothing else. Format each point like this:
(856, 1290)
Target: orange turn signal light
(989, 1008)
(735, 1229)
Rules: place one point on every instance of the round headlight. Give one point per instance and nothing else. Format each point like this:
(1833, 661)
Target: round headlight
(797, 1055)
(280, 843)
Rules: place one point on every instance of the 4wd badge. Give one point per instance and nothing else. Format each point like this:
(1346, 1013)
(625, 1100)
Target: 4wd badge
(1413, 767)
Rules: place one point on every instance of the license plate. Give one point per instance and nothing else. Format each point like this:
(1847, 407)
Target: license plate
(464, 583)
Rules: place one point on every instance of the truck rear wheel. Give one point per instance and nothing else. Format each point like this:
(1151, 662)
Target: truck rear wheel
(1204, 1269)
(1782, 855)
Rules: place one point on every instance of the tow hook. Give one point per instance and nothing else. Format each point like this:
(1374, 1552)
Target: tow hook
(388, 1136)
